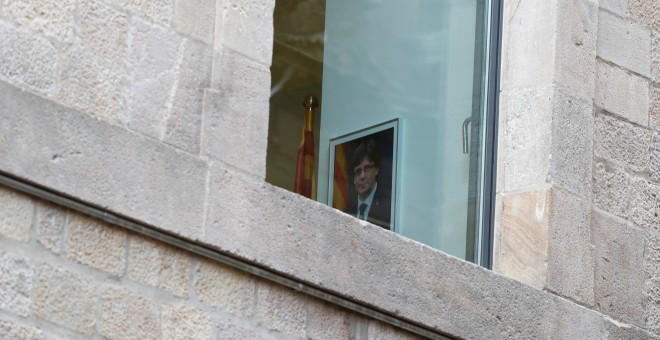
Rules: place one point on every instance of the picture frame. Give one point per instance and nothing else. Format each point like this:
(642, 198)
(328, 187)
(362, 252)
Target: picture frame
(345, 189)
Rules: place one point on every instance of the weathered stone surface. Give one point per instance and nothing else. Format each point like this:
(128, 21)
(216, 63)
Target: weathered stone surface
(281, 309)
(247, 27)
(65, 298)
(326, 322)
(611, 189)
(182, 323)
(654, 113)
(226, 288)
(103, 31)
(154, 59)
(572, 140)
(16, 282)
(619, 7)
(646, 12)
(159, 11)
(570, 251)
(381, 331)
(234, 329)
(621, 142)
(655, 57)
(623, 93)
(196, 19)
(619, 279)
(652, 284)
(624, 42)
(643, 208)
(127, 315)
(655, 157)
(184, 123)
(526, 63)
(526, 139)
(97, 244)
(627, 332)
(159, 265)
(16, 211)
(577, 27)
(28, 59)
(92, 88)
(236, 116)
(523, 229)
(52, 18)
(10, 330)
(100, 163)
(50, 221)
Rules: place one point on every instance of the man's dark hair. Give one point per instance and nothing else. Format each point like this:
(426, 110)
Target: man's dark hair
(367, 149)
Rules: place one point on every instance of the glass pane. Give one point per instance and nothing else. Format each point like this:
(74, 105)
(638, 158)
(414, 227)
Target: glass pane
(417, 64)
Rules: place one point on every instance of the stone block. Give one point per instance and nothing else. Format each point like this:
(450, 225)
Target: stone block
(158, 265)
(654, 112)
(100, 163)
(381, 331)
(623, 93)
(570, 251)
(103, 32)
(624, 42)
(527, 63)
(618, 7)
(52, 18)
(196, 19)
(182, 323)
(652, 284)
(65, 298)
(622, 143)
(577, 29)
(16, 282)
(527, 137)
(523, 228)
(572, 143)
(184, 124)
(92, 88)
(235, 329)
(627, 332)
(155, 55)
(643, 208)
(236, 117)
(619, 279)
(28, 60)
(646, 12)
(96, 243)
(655, 158)
(16, 212)
(247, 27)
(281, 309)
(10, 330)
(611, 189)
(50, 221)
(158, 11)
(226, 288)
(327, 322)
(127, 315)
(655, 57)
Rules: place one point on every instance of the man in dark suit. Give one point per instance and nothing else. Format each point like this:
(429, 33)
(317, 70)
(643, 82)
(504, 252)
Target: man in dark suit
(373, 202)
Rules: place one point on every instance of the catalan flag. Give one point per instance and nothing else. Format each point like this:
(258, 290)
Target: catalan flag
(340, 186)
(305, 163)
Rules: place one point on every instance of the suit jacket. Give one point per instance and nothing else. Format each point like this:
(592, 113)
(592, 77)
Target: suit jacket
(380, 212)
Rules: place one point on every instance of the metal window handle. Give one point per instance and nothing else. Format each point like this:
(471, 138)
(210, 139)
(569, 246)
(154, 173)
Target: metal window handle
(466, 140)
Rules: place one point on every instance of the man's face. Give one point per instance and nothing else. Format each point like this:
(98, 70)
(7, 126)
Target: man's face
(364, 177)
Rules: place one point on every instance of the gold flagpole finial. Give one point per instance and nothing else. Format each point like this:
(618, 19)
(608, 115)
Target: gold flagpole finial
(310, 102)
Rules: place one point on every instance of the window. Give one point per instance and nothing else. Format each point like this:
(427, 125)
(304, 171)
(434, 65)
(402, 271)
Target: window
(415, 81)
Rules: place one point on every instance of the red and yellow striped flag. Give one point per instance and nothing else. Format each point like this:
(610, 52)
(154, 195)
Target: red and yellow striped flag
(340, 186)
(305, 163)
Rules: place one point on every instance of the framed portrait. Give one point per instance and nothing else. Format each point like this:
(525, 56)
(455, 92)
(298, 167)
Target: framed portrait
(363, 173)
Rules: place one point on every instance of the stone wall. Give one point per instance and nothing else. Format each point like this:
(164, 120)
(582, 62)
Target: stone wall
(68, 276)
(578, 180)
